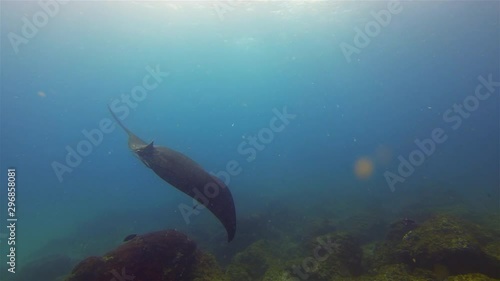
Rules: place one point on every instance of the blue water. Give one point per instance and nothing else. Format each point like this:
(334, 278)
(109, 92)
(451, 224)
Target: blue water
(227, 76)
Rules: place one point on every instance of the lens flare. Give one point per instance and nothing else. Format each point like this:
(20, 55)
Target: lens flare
(363, 168)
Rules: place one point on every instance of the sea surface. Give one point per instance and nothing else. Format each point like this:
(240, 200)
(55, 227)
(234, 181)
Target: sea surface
(310, 109)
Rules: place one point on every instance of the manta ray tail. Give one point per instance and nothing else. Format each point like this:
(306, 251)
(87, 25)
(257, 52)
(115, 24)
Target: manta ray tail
(134, 141)
(119, 121)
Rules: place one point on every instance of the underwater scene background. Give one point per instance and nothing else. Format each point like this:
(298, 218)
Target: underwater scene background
(360, 140)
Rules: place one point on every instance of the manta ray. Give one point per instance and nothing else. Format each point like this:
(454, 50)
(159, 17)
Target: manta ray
(187, 176)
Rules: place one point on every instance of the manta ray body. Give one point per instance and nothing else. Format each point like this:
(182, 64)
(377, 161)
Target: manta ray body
(187, 176)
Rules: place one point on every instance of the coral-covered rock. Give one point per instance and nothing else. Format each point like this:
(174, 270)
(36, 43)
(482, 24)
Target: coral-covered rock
(207, 269)
(379, 253)
(450, 242)
(398, 229)
(338, 257)
(278, 273)
(397, 272)
(252, 263)
(470, 277)
(161, 256)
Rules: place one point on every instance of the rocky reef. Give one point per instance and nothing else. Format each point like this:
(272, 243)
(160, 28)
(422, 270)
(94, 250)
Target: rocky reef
(162, 256)
(263, 260)
(438, 248)
(442, 247)
(457, 245)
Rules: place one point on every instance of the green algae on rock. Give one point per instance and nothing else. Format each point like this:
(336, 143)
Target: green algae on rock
(207, 269)
(341, 260)
(451, 242)
(396, 272)
(434, 250)
(278, 273)
(471, 277)
(251, 263)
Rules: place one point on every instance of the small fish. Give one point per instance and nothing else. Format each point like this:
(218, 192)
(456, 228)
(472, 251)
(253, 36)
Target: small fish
(129, 237)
